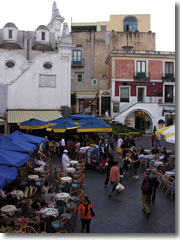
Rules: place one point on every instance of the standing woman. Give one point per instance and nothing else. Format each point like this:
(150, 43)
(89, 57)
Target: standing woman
(84, 213)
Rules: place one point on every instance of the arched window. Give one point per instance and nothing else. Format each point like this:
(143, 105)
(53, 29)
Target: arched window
(130, 23)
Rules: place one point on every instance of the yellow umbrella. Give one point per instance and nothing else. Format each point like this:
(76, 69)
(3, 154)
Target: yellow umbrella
(170, 137)
(166, 130)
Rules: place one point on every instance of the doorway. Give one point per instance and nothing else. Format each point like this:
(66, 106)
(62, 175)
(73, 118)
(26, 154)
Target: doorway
(141, 91)
(105, 105)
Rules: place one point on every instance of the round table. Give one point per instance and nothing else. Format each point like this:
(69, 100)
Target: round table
(170, 173)
(17, 194)
(173, 156)
(39, 169)
(33, 177)
(74, 162)
(62, 196)
(169, 151)
(70, 170)
(50, 212)
(66, 179)
(9, 209)
(158, 163)
(147, 150)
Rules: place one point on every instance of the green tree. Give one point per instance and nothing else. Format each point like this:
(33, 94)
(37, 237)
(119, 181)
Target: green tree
(73, 98)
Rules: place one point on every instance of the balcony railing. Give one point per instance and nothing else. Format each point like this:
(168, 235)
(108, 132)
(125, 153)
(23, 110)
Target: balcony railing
(168, 77)
(141, 77)
(77, 63)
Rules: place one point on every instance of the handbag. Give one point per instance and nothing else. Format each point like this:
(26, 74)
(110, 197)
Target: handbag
(92, 212)
(119, 187)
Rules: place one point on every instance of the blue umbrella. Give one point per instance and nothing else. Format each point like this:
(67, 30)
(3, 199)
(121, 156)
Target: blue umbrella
(62, 127)
(61, 120)
(33, 124)
(7, 173)
(19, 136)
(10, 158)
(91, 120)
(17, 146)
(89, 127)
(80, 116)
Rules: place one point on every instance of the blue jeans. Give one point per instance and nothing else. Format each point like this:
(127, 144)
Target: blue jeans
(158, 143)
(113, 186)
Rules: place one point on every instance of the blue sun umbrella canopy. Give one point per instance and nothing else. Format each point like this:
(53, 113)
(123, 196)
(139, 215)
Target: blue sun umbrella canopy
(91, 120)
(89, 127)
(62, 127)
(10, 158)
(19, 136)
(81, 116)
(33, 123)
(7, 174)
(61, 120)
(16, 146)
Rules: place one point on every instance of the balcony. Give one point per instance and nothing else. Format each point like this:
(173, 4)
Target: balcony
(168, 77)
(141, 77)
(77, 63)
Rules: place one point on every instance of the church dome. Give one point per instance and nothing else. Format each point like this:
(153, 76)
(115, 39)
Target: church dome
(42, 27)
(10, 24)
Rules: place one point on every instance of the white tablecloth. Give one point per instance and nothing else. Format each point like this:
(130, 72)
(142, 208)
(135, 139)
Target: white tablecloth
(66, 179)
(170, 173)
(50, 212)
(74, 162)
(17, 194)
(62, 196)
(70, 170)
(39, 169)
(33, 177)
(158, 163)
(9, 209)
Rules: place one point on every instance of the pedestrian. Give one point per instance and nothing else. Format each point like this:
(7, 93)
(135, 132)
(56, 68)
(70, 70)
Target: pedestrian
(136, 164)
(65, 159)
(156, 181)
(92, 109)
(126, 165)
(129, 30)
(147, 190)
(63, 144)
(107, 114)
(119, 148)
(131, 142)
(84, 213)
(158, 138)
(110, 165)
(114, 177)
(125, 142)
(153, 138)
(111, 142)
(47, 152)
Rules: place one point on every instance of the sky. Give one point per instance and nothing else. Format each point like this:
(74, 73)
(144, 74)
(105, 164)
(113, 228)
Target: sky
(28, 15)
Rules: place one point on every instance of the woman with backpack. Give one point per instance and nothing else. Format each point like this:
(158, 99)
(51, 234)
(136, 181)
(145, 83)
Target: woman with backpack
(84, 213)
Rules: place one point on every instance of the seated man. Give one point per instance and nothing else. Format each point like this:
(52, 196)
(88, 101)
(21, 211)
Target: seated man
(140, 150)
(165, 154)
(155, 150)
(39, 203)
(96, 154)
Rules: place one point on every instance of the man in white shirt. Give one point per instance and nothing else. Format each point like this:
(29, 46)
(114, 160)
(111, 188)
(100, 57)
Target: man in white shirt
(119, 148)
(63, 144)
(65, 159)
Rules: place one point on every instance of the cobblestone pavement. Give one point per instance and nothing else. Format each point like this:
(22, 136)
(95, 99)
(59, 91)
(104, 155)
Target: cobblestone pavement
(122, 213)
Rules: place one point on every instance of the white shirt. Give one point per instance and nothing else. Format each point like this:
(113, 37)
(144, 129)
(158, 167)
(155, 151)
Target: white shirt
(119, 142)
(65, 161)
(62, 142)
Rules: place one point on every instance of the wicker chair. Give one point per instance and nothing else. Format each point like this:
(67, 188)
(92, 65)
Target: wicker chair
(59, 225)
(143, 162)
(171, 187)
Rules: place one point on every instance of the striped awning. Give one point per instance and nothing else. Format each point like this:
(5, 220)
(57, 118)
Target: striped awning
(17, 116)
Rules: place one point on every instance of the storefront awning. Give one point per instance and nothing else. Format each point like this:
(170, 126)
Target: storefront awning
(17, 116)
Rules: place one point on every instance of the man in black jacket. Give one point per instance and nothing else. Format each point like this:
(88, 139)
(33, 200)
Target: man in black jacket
(147, 190)
(131, 142)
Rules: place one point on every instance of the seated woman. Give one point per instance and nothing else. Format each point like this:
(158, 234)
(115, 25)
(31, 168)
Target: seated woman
(45, 187)
(49, 196)
(34, 219)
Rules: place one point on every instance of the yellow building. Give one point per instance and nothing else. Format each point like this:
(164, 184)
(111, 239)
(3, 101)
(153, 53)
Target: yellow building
(118, 23)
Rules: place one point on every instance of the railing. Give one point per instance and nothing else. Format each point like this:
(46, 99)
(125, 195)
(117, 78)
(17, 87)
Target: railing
(168, 77)
(77, 63)
(128, 105)
(141, 77)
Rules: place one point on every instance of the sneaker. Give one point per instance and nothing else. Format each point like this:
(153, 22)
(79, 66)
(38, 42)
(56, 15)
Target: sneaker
(109, 196)
(148, 214)
(136, 177)
(133, 177)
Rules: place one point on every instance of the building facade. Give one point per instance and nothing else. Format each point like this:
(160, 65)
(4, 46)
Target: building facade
(35, 67)
(116, 66)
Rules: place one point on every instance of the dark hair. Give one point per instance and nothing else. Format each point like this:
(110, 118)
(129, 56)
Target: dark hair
(147, 173)
(164, 148)
(86, 197)
(50, 190)
(116, 163)
(135, 150)
(46, 183)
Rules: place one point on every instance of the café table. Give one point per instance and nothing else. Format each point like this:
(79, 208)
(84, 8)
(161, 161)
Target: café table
(158, 163)
(172, 156)
(62, 198)
(70, 170)
(170, 173)
(49, 213)
(147, 150)
(66, 179)
(33, 177)
(74, 162)
(169, 151)
(18, 194)
(9, 209)
(39, 169)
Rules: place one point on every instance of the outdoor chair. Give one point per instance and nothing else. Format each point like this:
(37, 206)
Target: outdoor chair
(143, 162)
(59, 225)
(76, 196)
(165, 181)
(70, 218)
(170, 187)
(59, 185)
